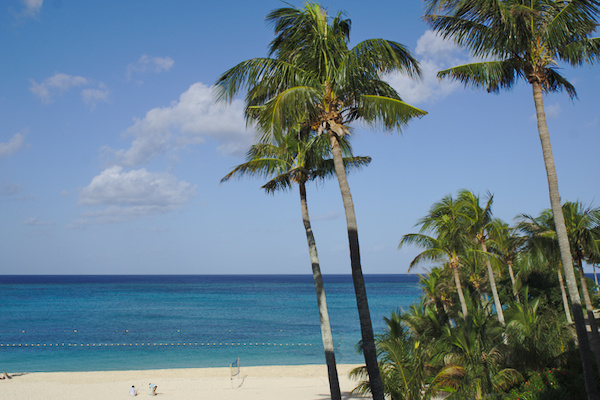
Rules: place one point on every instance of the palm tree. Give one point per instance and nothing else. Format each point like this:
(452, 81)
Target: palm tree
(314, 79)
(474, 357)
(537, 338)
(449, 243)
(504, 243)
(435, 289)
(541, 246)
(291, 160)
(480, 220)
(582, 223)
(403, 364)
(525, 39)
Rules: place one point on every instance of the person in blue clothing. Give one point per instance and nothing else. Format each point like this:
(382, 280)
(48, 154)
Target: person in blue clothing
(152, 387)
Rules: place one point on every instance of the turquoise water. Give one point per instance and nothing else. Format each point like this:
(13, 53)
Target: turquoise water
(87, 323)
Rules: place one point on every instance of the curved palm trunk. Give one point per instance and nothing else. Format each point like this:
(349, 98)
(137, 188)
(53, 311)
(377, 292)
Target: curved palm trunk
(334, 384)
(364, 316)
(514, 282)
(563, 243)
(497, 303)
(594, 338)
(461, 295)
(564, 296)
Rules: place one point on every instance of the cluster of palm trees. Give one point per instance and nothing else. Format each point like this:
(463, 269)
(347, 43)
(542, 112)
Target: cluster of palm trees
(474, 338)
(304, 96)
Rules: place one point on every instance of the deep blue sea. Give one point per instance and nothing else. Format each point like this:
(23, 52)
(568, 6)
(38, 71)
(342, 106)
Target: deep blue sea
(88, 323)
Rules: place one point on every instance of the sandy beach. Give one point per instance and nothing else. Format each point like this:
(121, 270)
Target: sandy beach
(303, 382)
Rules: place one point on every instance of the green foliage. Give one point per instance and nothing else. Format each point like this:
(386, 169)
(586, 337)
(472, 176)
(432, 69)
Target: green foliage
(521, 39)
(534, 355)
(550, 384)
(314, 79)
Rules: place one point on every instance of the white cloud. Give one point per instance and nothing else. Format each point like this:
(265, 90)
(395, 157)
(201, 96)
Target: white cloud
(326, 217)
(435, 54)
(191, 120)
(55, 85)
(9, 189)
(15, 143)
(124, 195)
(60, 83)
(32, 7)
(148, 64)
(92, 96)
(552, 111)
(34, 221)
(430, 44)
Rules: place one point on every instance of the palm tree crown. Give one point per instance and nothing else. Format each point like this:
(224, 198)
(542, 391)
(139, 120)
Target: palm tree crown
(526, 39)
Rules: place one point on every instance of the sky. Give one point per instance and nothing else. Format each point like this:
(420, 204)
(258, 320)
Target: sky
(112, 147)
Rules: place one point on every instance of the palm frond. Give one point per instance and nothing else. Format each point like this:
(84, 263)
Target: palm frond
(391, 114)
(375, 57)
(260, 75)
(491, 75)
(556, 82)
(582, 51)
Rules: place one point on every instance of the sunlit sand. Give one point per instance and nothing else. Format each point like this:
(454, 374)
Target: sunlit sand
(303, 382)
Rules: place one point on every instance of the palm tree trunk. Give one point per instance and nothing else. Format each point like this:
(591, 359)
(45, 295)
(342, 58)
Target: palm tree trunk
(563, 243)
(461, 296)
(514, 282)
(364, 316)
(564, 296)
(595, 276)
(594, 338)
(490, 272)
(334, 384)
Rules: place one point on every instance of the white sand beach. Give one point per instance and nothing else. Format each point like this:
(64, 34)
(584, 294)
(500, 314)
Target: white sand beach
(303, 382)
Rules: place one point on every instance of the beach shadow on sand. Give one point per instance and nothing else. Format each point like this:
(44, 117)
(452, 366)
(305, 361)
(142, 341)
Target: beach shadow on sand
(238, 381)
(345, 396)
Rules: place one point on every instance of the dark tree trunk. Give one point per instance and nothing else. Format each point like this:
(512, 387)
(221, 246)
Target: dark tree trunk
(334, 384)
(364, 316)
(563, 243)
(594, 339)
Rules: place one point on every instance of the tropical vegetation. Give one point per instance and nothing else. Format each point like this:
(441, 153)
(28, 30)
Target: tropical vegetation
(434, 347)
(525, 39)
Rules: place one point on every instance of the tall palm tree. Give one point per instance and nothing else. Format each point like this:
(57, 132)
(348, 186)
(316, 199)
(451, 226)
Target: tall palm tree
(313, 78)
(480, 219)
(526, 39)
(448, 244)
(291, 160)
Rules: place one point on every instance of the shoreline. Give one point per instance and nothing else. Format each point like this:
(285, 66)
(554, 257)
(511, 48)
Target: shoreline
(292, 382)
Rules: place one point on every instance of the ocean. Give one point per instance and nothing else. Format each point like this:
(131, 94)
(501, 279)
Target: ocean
(95, 323)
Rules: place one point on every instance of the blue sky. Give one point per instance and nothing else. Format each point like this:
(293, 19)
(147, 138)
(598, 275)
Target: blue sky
(112, 149)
